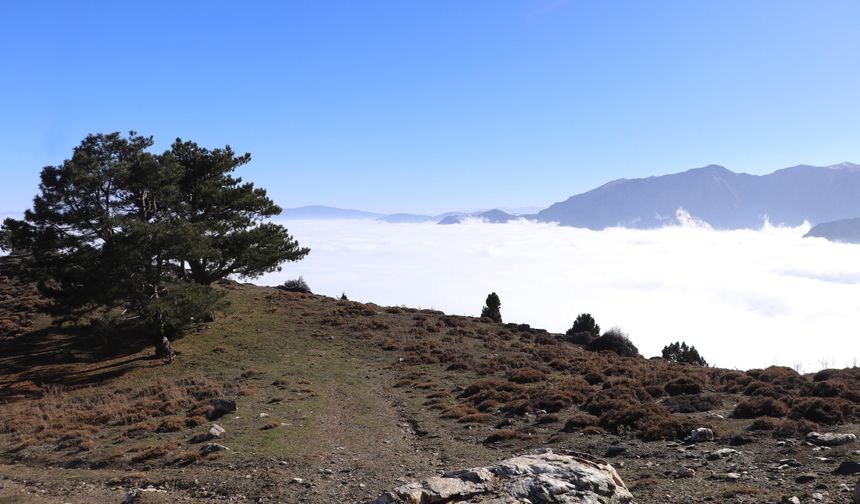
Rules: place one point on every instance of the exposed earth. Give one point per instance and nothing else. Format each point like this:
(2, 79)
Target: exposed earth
(339, 402)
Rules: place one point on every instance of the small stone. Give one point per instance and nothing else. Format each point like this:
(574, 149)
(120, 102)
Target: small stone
(789, 462)
(296, 481)
(722, 452)
(790, 500)
(212, 447)
(223, 406)
(702, 434)
(848, 468)
(685, 472)
(805, 478)
(263, 415)
(817, 496)
(216, 431)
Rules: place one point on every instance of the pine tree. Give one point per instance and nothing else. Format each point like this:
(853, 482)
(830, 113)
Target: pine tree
(584, 329)
(680, 352)
(119, 229)
(492, 308)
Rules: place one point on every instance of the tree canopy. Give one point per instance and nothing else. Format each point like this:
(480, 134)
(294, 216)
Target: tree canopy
(118, 228)
(680, 352)
(492, 308)
(584, 329)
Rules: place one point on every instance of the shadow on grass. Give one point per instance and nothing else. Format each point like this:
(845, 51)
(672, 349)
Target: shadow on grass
(68, 356)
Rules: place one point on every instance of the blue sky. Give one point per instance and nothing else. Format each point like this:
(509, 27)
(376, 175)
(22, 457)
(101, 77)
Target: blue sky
(433, 106)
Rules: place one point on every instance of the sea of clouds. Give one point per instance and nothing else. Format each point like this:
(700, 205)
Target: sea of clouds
(745, 298)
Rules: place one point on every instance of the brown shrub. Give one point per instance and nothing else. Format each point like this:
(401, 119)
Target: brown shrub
(151, 452)
(731, 382)
(763, 424)
(825, 388)
(502, 435)
(787, 428)
(692, 403)
(781, 376)
(171, 424)
(683, 385)
(648, 419)
(760, 406)
(552, 399)
(458, 411)
(824, 410)
(547, 419)
(390, 344)
(517, 407)
(655, 391)
(579, 421)
(476, 418)
(526, 375)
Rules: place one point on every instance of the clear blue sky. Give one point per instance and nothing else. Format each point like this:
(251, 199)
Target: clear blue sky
(436, 105)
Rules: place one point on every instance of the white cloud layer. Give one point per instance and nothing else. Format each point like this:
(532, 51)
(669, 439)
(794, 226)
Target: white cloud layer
(744, 298)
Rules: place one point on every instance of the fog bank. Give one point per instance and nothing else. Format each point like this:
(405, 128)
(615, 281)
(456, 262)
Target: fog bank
(744, 298)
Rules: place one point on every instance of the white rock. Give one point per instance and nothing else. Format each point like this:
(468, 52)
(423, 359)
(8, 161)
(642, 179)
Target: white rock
(212, 447)
(540, 476)
(830, 438)
(216, 431)
(702, 434)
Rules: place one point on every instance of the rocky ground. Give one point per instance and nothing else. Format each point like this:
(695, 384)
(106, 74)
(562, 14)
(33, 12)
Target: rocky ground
(339, 402)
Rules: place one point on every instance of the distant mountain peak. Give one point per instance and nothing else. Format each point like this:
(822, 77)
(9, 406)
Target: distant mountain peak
(718, 196)
(845, 166)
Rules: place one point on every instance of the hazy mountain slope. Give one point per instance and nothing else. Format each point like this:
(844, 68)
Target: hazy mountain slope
(324, 212)
(844, 230)
(718, 196)
(494, 216)
(402, 218)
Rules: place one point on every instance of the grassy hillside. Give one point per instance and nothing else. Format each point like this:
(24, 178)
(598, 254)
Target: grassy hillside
(338, 401)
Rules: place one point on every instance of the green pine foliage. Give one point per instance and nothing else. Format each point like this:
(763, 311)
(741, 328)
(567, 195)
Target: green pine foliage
(120, 229)
(492, 308)
(584, 329)
(680, 352)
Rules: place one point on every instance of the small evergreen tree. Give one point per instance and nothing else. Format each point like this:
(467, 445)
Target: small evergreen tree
(492, 308)
(584, 329)
(680, 352)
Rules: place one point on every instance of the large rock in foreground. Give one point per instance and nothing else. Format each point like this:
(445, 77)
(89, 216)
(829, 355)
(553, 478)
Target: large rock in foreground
(540, 477)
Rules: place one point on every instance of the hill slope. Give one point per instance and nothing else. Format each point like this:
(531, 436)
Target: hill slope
(352, 398)
(844, 230)
(722, 198)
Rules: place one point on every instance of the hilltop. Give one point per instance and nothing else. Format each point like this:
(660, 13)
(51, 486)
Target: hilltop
(337, 401)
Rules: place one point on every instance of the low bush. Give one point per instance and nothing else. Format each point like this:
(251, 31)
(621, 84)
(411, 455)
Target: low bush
(763, 424)
(502, 435)
(683, 385)
(296, 285)
(526, 375)
(788, 428)
(691, 403)
(579, 421)
(616, 341)
(755, 407)
(827, 411)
